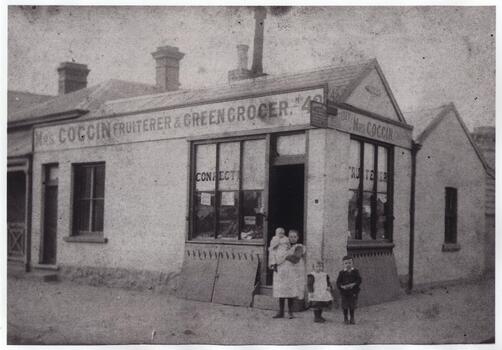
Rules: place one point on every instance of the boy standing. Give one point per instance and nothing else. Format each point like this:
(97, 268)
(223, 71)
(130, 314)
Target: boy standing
(348, 282)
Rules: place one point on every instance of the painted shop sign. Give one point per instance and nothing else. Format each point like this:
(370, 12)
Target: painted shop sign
(362, 125)
(264, 112)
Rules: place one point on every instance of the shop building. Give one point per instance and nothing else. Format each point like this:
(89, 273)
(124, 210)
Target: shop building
(183, 189)
(195, 181)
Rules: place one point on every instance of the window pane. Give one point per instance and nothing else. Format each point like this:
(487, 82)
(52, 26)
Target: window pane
(383, 177)
(253, 165)
(228, 224)
(252, 216)
(229, 166)
(81, 215)
(204, 215)
(289, 145)
(382, 217)
(366, 215)
(353, 212)
(83, 182)
(53, 173)
(369, 167)
(205, 167)
(354, 164)
(99, 181)
(97, 224)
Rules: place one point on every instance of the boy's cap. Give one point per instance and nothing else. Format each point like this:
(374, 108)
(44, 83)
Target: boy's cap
(347, 257)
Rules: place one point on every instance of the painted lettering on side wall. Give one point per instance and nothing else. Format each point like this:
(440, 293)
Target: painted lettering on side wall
(245, 114)
(362, 125)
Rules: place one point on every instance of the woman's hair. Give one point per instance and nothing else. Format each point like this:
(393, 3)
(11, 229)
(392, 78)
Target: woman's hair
(297, 233)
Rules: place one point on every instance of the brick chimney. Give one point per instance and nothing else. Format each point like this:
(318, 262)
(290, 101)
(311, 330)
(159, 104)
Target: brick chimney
(242, 71)
(167, 67)
(260, 13)
(72, 77)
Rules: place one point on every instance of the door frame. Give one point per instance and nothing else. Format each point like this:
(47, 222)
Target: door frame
(276, 160)
(45, 173)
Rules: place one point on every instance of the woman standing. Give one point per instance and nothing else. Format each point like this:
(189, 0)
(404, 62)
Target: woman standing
(289, 279)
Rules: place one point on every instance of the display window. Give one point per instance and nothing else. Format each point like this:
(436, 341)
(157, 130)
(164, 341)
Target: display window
(370, 190)
(228, 185)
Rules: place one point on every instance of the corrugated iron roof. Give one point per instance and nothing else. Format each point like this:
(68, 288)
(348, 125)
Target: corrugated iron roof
(339, 78)
(85, 99)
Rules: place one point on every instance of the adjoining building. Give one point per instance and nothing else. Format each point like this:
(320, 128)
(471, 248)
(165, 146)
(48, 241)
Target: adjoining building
(484, 136)
(450, 199)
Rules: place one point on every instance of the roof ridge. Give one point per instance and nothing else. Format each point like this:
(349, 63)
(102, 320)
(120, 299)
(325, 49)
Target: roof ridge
(362, 63)
(430, 108)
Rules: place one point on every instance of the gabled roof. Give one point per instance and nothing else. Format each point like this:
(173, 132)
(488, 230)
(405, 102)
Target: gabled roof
(426, 121)
(78, 102)
(17, 100)
(340, 79)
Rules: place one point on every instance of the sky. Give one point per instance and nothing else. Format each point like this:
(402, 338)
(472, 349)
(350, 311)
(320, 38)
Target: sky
(429, 55)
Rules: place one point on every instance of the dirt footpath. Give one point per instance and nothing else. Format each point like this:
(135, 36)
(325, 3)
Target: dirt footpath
(65, 313)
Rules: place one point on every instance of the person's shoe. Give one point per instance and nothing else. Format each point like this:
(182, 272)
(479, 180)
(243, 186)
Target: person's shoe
(346, 321)
(278, 315)
(352, 321)
(290, 315)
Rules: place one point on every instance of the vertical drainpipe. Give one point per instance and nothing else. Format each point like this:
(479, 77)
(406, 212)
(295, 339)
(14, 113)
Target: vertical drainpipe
(415, 147)
(27, 215)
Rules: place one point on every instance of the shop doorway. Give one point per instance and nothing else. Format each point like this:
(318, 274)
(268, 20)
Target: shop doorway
(286, 201)
(49, 235)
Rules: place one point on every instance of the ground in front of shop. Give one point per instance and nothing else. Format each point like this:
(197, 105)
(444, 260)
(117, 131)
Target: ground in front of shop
(65, 313)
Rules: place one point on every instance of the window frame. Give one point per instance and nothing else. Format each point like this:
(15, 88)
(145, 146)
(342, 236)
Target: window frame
(390, 192)
(451, 216)
(75, 232)
(193, 192)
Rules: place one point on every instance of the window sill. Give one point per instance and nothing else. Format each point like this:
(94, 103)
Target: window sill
(225, 242)
(359, 244)
(450, 247)
(85, 239)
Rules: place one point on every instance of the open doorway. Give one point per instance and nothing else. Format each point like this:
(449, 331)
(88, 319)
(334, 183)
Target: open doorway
(286, 201)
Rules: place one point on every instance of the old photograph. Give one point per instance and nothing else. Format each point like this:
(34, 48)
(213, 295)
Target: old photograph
(250, 175)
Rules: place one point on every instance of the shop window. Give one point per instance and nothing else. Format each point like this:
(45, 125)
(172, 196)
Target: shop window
(88, 198)
(450, 219)
(229, 179)
(369, 207)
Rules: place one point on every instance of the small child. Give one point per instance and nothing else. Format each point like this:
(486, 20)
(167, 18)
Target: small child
(348, 282)
(319, 288)
(278, 250)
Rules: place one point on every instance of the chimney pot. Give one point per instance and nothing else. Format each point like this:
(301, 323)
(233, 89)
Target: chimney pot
(242, 56)
(167, 68)
(72, 77)
(242, 71)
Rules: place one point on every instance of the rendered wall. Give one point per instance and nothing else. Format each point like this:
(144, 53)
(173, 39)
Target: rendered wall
(402, 188)
(447, 159)
(145, 206)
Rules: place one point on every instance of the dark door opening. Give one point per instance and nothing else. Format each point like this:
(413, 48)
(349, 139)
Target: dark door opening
(49, 236)
(16, 211)
(286, 201)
